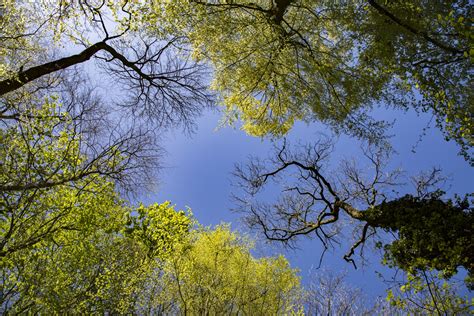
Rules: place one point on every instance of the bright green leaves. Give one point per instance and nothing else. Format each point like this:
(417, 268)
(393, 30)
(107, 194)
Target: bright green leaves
(426, 293)
(270, 75)
(38, 137)
(310, 61)
(215, 273)
(43, 180)
(425, 45)
(15, 48)
(93, 267)
(70, 244)
(80, 272)
(159, 227)
(157, 264)
(63, 245)
(424, 240)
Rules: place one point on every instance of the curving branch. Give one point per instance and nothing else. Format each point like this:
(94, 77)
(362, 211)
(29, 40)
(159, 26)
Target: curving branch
(23, 77)
(315, 201)
(161, 84)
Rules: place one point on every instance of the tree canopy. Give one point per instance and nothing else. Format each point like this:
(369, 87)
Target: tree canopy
(276, 62)
(73, 238)
(215, 273)
(280, 62)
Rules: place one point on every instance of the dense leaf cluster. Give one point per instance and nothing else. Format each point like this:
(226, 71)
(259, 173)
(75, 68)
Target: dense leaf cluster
(431, 233)
(284, 61)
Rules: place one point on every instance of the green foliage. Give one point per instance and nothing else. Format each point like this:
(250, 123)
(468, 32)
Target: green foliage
(70, 244)
(425, 293)
(92, 269)
(14, 47)
(100, 270)
(276, 62)
(432, 233)
(62, 241)
(215, 273)
(159, 227)
(43, 186)
(271, 75)
(428, 49)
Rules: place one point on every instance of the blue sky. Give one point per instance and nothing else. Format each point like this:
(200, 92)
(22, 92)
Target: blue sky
(198, 170)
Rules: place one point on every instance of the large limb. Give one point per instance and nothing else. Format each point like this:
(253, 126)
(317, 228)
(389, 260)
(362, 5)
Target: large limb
(24, 77)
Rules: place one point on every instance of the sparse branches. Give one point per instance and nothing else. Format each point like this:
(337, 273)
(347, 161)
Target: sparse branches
(310, 201)
(167, 87)
(96, 143)
(329, 294)
(56, 153)
(369, 185)
(163, 84)
(426, 183)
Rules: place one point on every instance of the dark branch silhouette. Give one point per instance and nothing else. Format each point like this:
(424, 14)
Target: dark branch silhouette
(316, 201)
(33, 73)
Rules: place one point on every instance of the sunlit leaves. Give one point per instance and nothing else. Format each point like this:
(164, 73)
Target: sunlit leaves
(215, 273)
(426, 293)
(159, 227)
(311, 61)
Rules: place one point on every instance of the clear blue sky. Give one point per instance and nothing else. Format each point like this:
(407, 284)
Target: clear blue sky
(198, 175)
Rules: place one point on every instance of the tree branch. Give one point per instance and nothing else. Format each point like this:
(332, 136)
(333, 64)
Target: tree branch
(24, 77)
(411, 29)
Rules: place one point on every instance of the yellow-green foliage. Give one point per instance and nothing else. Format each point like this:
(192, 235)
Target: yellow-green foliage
(14, 48)
(41, 194)
(267, 78)
(33, 30)
(215, 273)
(159, 227)
(326, 62)
(95, 268)
(426, 293)
(70, 244)
(321, 62)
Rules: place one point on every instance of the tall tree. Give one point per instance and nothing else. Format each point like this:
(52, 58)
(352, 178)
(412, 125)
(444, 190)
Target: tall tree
(276, 62)
(215, 273)
(314, 201)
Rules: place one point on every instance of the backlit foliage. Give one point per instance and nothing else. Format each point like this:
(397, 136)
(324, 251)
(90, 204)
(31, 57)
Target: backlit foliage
(215, 273)
(276, 62)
